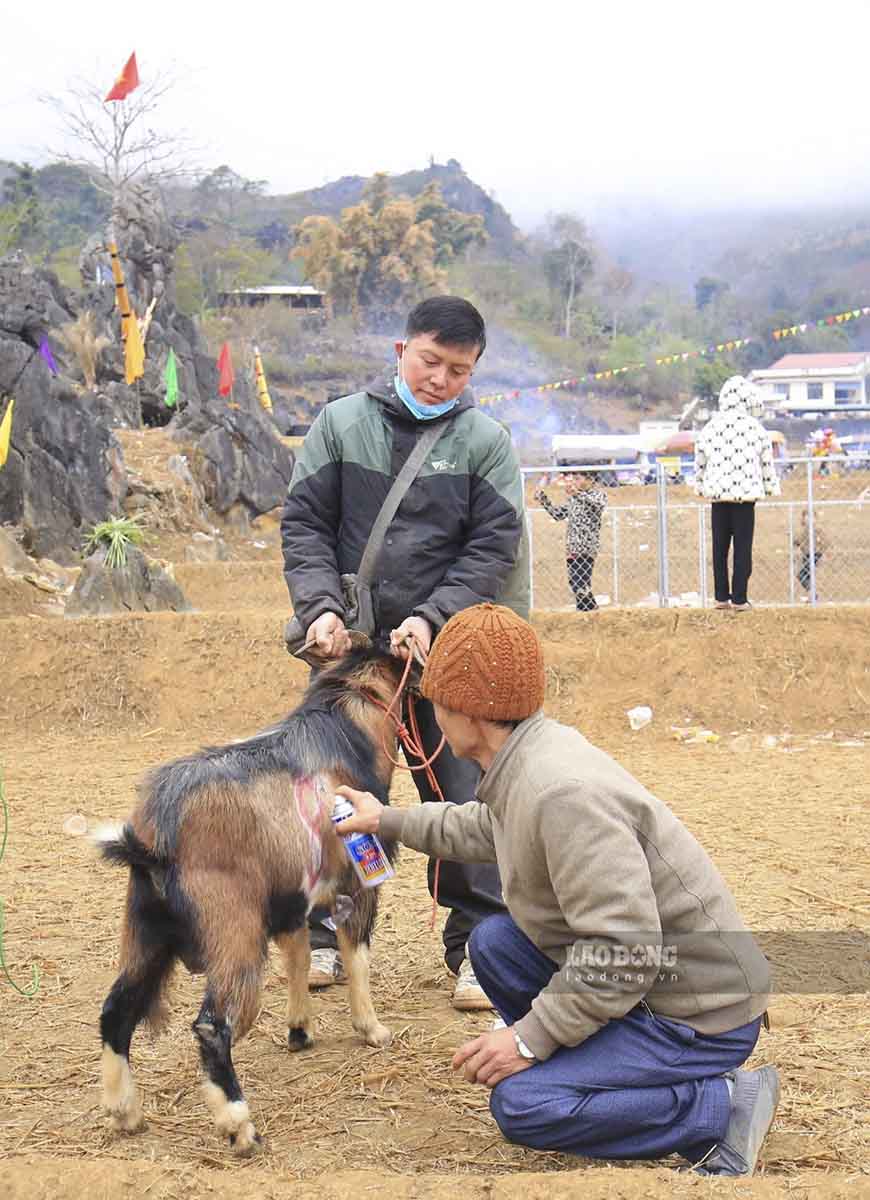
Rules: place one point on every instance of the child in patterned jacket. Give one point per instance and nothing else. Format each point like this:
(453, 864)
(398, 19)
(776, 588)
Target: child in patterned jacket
(583, 510)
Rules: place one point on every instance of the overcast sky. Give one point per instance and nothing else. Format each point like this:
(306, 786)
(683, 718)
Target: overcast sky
(551, 105)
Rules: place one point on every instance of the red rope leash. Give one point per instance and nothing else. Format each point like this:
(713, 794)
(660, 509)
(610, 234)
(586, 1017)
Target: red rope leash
(412, 742)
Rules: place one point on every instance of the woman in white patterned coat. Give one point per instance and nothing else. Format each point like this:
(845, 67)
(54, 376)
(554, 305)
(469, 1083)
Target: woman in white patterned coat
(734, 468)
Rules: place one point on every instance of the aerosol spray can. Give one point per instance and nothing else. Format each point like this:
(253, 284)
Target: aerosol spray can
(363, 849)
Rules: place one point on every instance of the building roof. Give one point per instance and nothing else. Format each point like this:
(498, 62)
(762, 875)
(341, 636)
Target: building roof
(819, 362)
(278, 289)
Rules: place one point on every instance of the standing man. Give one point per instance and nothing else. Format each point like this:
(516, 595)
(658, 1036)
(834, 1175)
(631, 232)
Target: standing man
(734, 468)
(453, 542)
(630, 989)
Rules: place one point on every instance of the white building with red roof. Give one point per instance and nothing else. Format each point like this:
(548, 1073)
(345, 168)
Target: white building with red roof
(814, 382)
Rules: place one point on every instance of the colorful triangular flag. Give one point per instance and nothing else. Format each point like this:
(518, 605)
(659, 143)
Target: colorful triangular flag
(225, 367)
(6, 431)
(45, 352)
(134, 351)
(170, 378)
(260, 378)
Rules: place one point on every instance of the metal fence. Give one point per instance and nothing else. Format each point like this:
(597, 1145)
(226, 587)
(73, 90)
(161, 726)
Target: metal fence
(811, 545)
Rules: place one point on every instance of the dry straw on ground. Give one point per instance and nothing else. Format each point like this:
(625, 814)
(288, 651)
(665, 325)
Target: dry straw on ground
(88, 706)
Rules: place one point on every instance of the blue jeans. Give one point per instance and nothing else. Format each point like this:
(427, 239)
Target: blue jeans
(643, 1086)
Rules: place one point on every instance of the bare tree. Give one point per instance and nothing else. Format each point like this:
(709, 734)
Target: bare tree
(567, 264)
(616, 287)
(115, 142)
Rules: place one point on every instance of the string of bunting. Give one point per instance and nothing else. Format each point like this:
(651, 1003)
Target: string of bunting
(666, 360)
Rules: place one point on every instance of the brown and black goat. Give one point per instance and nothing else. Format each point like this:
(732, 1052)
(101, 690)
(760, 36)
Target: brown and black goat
(233, 846)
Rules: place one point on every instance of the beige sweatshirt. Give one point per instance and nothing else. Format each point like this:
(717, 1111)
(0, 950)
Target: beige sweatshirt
(604, 880)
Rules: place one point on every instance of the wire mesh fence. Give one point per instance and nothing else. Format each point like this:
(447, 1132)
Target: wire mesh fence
(654, 546)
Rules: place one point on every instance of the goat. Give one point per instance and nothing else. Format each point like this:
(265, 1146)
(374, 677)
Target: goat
(230, 847)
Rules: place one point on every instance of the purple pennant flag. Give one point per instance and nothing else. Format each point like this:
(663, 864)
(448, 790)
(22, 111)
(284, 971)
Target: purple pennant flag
(45, 351)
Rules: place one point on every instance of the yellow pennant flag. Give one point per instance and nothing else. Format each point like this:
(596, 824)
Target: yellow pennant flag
(260, 376)
(6, 431)
(134, 351)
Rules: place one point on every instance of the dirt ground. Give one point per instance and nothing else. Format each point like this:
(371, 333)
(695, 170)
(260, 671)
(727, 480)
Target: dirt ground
(780, 801)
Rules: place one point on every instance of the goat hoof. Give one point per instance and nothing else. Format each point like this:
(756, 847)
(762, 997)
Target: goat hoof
(127, 1118)
(245, 1141)
(299, 1038)
(378, 1036)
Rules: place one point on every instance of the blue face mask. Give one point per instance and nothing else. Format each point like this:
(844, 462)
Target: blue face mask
(423, 412)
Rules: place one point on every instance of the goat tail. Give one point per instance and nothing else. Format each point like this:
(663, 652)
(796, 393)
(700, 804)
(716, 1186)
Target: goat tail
(118, 843)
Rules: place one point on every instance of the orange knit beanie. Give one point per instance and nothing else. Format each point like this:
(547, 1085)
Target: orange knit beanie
(487, 663)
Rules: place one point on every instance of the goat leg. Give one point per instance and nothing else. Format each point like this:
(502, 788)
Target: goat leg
(221, 1089)
(296, 951)
(355, 956)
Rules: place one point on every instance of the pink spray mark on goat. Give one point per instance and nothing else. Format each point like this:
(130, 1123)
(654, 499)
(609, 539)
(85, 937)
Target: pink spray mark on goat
(310, 795)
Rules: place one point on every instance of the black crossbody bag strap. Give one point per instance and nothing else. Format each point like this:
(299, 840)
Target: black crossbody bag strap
(409, 472)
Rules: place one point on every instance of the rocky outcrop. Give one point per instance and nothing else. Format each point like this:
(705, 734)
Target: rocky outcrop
(65, 470)
(237, 456)
(147, 242)
(141, 585)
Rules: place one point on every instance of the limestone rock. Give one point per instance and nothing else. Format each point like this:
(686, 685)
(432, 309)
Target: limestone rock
(32, 301)
(65, 470)
(121, 405)
(206, 548)
(141, 585)
(12, 557)
(147, 241)
(241, 459)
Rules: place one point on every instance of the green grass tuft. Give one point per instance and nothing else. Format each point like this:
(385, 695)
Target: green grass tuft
(115, 535)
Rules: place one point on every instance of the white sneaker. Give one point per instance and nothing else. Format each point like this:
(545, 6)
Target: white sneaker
(326, 968)
(468, 995)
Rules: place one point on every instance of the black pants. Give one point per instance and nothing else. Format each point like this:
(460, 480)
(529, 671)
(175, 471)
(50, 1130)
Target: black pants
(471, 891)
(732, 521)
(580, 579)
(804, 572)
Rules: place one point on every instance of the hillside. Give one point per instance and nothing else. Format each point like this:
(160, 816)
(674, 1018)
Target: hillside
(635, 302)
(777, 256)
(460, 192)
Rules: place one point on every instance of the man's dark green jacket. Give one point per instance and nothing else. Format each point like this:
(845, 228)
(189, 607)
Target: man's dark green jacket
(455, 538)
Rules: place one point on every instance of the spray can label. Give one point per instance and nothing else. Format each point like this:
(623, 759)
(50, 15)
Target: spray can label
(372, 864)
(364, 850)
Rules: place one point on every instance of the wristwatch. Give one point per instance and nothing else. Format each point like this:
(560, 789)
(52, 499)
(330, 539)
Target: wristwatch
(522, 1048)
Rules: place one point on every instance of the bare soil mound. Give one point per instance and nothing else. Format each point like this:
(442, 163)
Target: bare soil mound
(232, 586)
(18, 598)
(771, 670)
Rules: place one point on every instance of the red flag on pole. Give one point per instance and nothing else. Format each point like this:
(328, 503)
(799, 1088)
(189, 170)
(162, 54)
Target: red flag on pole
(225, 366)
(126, 81)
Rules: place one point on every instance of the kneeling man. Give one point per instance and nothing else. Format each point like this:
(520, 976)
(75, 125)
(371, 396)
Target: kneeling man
(630, 988)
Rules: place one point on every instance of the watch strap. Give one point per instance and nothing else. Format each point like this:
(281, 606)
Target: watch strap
(522, 1048)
